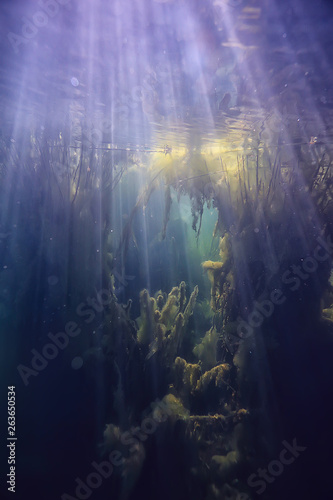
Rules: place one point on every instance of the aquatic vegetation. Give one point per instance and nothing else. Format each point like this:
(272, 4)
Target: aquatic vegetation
(256, 221)
(208, 385)
(189, 144)
(265, 215)
(186, 376)
(217, 376)
(163, 322)
(146, 320)
(206, 350)
(191, 380)
(226, 464)
(171, 308)
(174, 407)
(205, 309)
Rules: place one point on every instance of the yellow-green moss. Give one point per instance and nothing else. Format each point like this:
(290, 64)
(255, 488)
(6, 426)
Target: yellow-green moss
(225, 464)
(146, 321)
(206, 350)
(162, 325)
(218, 375)
(187, 376)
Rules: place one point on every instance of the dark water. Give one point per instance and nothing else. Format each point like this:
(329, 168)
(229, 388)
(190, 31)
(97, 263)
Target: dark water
(166, 240)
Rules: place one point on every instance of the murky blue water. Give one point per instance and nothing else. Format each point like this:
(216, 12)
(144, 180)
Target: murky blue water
(166, 228)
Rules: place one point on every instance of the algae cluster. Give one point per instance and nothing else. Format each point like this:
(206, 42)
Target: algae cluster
(183, 346)
(275, 220)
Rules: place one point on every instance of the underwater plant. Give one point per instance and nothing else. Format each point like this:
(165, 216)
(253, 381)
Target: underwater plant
(206, 351)
(163, 322)
(190, 390)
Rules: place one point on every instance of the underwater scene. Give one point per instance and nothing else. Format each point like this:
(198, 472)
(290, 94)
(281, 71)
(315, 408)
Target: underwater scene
(166, 249)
